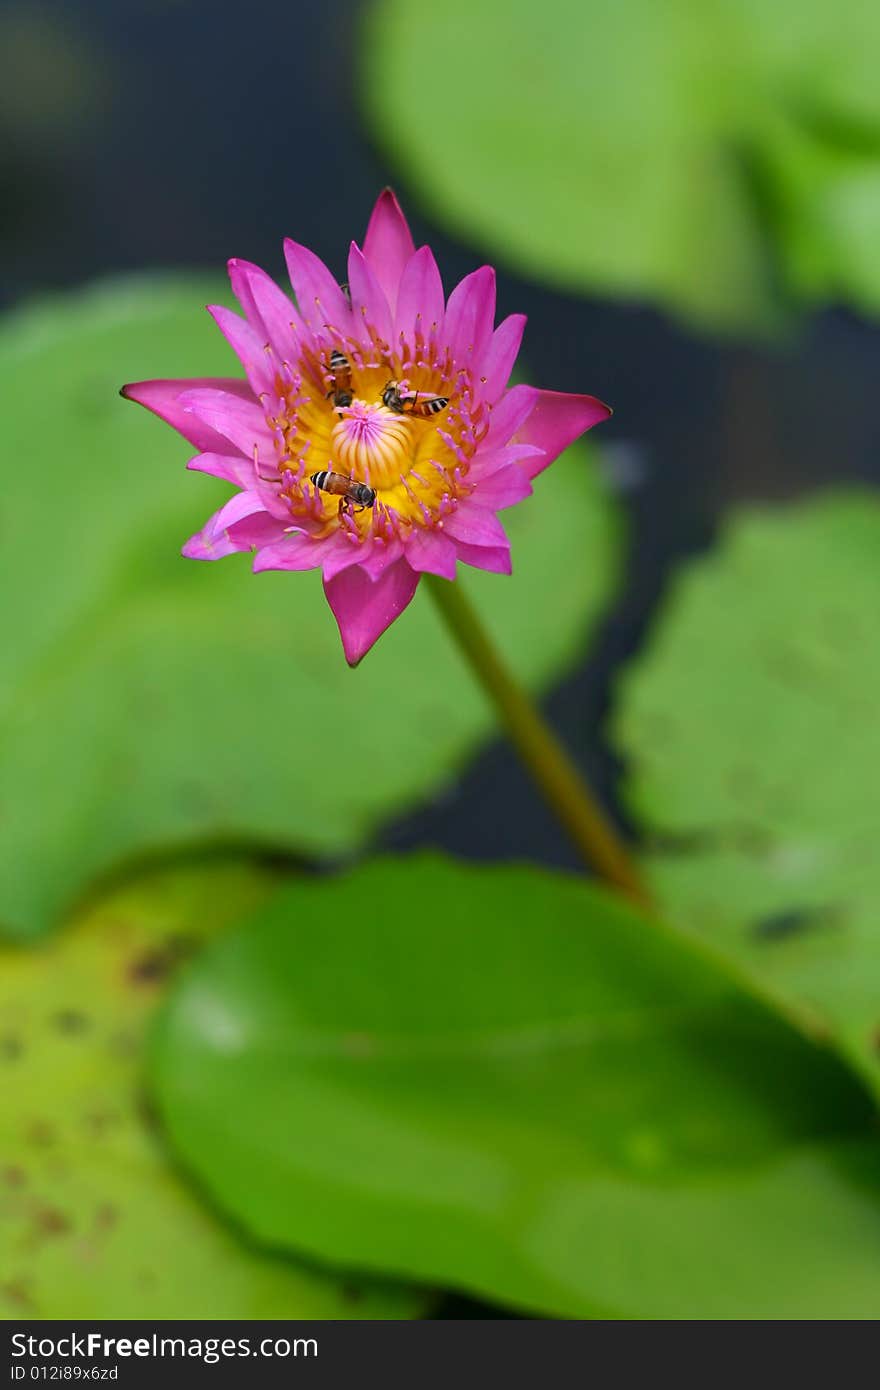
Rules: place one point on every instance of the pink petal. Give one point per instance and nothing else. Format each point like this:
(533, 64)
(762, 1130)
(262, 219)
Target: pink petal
(342, 556)
(320, 299)
(163, 399)
(475, 526)
(555, 422)
(495, 559)
(247, 346)
(257, 530)
(232, 468)
(235, 468)
(298, 550)
(379, 557)
(269, 310)
(369, 306)
(241, 422)
(470, 315)
(364, 609)
(501, 355)
(214, 540)
(388, 245)
(504, 488)
(509, 415)
(420, 302)
(486, 462)
(430, 552)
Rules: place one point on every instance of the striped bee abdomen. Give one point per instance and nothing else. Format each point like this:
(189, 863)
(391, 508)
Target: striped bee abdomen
(348, 489)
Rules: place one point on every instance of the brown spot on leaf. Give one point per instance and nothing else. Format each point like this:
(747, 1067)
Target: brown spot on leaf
(70, 1021)
(99, 1121)
(150, 968)
(106, 1217)
(41, 1133)
(13, 1176)
(11, 1048)
(779, 926)
(50, 1221)
(17, 1293)
(146, 1110)
(155, 965)
(742, 837)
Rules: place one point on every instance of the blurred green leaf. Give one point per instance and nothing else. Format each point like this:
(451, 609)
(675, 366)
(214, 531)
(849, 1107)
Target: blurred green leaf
(94, 1223)
(147, 701)
(750, 727)
(721, 157)
(505, 1080)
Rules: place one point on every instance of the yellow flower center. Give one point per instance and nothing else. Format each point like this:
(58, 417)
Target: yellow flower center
(416, 461)
(372, 443)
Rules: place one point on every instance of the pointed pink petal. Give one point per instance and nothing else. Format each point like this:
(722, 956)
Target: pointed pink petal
(501, 355)
(214, 540)
(504, 488)
(369, 306)
(364, 609)
(247, 346)
(430, 552)
(470, 315)
(235, 468)
(492, 460)
(555, 422)
(388, 244)
(420, 301)
(509, 415)
(163, 399)
(269, 311)
(232, 468)
(495, 559)
(475, 526)
(342, 556)
(257, 530)
(379, 557)
(239, 421)
(321, 301)
(297, 551)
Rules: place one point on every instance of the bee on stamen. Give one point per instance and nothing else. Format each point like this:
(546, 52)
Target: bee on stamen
(340, 392)
(353, 496)
(393, 399)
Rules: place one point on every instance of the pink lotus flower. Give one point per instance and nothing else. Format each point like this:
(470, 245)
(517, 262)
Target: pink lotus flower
(438, 473)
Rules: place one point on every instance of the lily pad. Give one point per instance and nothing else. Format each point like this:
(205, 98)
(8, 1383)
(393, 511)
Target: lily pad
(721, 157)
(94, 1220)
(149, 702)
(750, 725)
(506, 1080)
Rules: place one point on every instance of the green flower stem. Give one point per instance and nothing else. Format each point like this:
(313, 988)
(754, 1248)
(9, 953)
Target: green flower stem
(551, 768)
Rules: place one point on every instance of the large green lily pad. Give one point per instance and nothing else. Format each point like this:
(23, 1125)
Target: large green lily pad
(94, 1220)
(721, 157)
(508, 1081)
(147, 701)
(752, 733)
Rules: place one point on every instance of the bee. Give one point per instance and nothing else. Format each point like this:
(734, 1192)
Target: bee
(411, 405)
(350, 492)
(340, 369)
